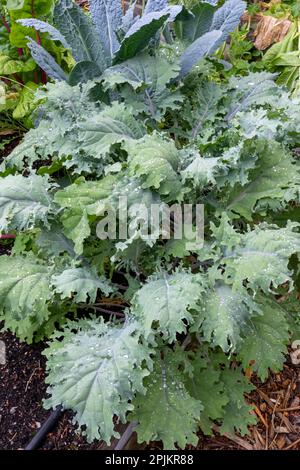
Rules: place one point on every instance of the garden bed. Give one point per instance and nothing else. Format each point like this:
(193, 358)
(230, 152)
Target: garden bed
(22, 390)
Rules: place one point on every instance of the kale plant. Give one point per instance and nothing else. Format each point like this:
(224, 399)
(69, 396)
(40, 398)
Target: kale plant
(184, 324)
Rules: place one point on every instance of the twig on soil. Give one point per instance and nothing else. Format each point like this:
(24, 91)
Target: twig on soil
(291, 408)
(30, 378)
(272, 405)
(293, 444)
(238, 440)
(259, 414)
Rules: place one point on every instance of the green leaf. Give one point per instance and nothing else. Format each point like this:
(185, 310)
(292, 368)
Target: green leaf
(264, 347)
(113, 125)
(224, 314)
(203, 106)
(107, 17)
(86, 194)
(26, 104)
(167, 412)
(206, 386)
(83, 72)
(54, 242)
(205, 45)
(155, 161)
(82, 281)
(46, 61)
(198, 24)
(228, 16)
(274, 181)
(76, 227)
(262, 258)
(237, 413)
(139, 35)
(44, 27)
(95, 372)
(254, 89)
(80, 200)
(149, 77)
(166, 301)
(24, 201)
(201, 171)
(79, 32)
(24, 294)
(9, 66)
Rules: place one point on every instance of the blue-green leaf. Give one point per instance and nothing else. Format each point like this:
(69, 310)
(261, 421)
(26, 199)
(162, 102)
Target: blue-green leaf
(140, 34)
(107, 17)
(46, 61)
(79, 32)
(44, 27)
(203, 46)
(83, 72)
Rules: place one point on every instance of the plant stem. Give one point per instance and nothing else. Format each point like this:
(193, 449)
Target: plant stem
(18, 79)
(6, 25)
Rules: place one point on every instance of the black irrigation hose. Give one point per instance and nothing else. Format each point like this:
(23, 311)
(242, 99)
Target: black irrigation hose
(51, 421)
(45, 428)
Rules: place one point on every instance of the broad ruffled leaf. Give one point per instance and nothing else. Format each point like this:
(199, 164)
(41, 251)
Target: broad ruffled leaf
(265, 346)
(203, 106)
(273, 182)
(96, 372)
(107, 17)
(149, 77)
(54, 242)
(201, 171)
(24, 294)
(166, 302)
(76, 227)
(155, 161)
(254, 89)
(113, 125)
(223, 316)
(82, 281)
(206, 386)
(24, 202)
(262, 258)
(237, 413)
(167, 412)
(65, 105)
(86, 194)
(80, 200)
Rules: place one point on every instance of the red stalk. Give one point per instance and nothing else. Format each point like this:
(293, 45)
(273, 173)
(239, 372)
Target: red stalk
(7, 237)
(18, 78)
(6, 25)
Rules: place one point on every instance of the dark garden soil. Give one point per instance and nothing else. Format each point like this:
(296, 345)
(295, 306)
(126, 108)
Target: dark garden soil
(22, 389)
(9, 147)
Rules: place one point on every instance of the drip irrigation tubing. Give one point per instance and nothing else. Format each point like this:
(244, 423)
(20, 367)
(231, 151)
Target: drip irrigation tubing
(48, 425)
(52, 420)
